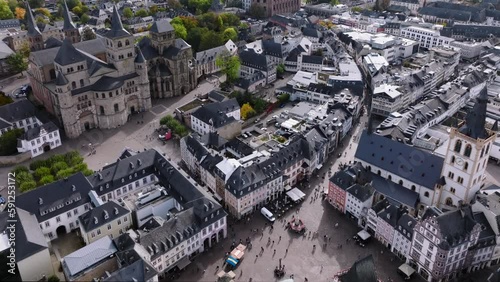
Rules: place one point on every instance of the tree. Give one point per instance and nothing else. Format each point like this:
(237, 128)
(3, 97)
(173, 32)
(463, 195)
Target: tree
(36, 3)
(283, 98)
(47, 179)
(4, 99)
(141, 13)
(153, 9)
(8, 141)
(127, 12)
(210, 40)
(180, 31)
(199, 6)
(77, 10)
(41, 172)
(20, 12)
(88, 33)
(25, 49)
(247, 111)
(230, 66)
(17, 63)
(5, 12)
(220, 23)
(12, 5)
(334, 2)
(257, 11)
(280, 69)
(53, 278)
(230, 19)
(230, 34)
(27, 186)
(85, 19)
(194, 37)
(64, 173)
(174, 4)
(56, 167)
(356, 9)
(24, 176)
(20, 168)
(43, 11)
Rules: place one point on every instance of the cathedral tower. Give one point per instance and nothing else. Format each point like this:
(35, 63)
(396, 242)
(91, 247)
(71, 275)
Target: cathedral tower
(70, 31)
(120, 49)
(35, 38)
(141, 67)
(467, 156)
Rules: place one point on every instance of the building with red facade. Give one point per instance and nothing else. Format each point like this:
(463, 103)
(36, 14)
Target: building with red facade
(274, 7)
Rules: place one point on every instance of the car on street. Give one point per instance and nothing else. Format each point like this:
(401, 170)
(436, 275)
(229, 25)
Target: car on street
(2, 200)
(275, 116)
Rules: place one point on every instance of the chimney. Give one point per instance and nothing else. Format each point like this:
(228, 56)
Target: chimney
(40, 201)
(73, 188)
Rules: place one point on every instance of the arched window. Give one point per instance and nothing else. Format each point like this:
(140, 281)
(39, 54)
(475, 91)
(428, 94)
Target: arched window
(389, 177)
(127, 43)
(487, 149)
(119, 44)
(73, 85)
(482, 152)
(426, 194)
(116, 108)
(468, 150)
(101, 109)
(379, 172)
(413, 188)
(400, 182)
(466, 165)
(103, 95)
(82, 83)
(52, 73)
(458, 146)
(181, 67)
(449, 201)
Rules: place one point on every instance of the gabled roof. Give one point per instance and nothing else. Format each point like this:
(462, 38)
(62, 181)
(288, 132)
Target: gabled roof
(68, 54)
(361, 192)
(61, 79)
(34, 132)
(29, 236)
(117, 29)
(102, 215)
(455, 226)
(311, 32)
(342, 179)
(396, 158)
(47, 56)
(215, 113)
(63, 195)
(88, 256)
(391, 214)
(254, 60)
(139, 270)
(475, 121)
(406, 223)
(139, 58)
(195, 147)
(21, 109)
(213, 140)
(394, 191)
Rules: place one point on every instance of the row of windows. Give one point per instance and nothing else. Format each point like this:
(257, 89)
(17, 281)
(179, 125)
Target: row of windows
(44, 138)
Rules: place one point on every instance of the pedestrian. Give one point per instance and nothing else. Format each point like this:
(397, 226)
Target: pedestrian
(330, 239)
(256, 256)
(217, 268)
(274, 252)
(273, 242)
(204, 270)
(286, 251)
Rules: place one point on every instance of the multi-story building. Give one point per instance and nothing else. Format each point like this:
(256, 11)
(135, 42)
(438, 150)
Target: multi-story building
(252, 62)
(337, 186)
(206, 60)
(274, 7)
(488, 206)
(466, 157)
(39, 139)
(103, 220)
(428, 38)
(193, 153)
(20, 114)
(359, 200)
(326, 9)
(386, 100)
(412, 5)
(221, 117)
(482, 253)
(387, 220)
(403, 236)
(441, 242)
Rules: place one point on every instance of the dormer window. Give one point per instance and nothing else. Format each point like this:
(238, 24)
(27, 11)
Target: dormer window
(100, 188)
(123, 180)
(206, 219)
(130, 177)
(107, 185)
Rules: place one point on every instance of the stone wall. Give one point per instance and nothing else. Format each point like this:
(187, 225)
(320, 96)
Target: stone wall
(14, 160)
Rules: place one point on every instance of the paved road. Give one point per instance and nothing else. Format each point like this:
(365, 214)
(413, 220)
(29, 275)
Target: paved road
(300, 260)
(11, 84)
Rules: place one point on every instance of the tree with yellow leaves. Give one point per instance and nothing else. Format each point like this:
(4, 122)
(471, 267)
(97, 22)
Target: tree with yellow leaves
(247, 111)
(20, 12)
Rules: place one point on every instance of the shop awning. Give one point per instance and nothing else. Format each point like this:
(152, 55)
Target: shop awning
(406, 269)
(183, 263)
(363, 235)
(288, 188)
(299, 193)
(232, 261)
(293, 196)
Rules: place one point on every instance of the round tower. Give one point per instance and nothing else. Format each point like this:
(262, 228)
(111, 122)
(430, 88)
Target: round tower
(66, 106)
(141, 67)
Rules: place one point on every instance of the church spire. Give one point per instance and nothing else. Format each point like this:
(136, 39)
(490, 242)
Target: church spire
(475, 121)
(68, 23)
(32, 27)
(117, 29)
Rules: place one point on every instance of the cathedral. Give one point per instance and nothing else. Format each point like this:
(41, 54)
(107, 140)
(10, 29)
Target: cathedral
(99, 83)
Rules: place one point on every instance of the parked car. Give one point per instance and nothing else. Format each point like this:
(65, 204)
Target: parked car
(2, 200)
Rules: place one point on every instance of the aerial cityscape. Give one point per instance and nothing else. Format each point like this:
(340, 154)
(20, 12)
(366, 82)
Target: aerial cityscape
(253, 140)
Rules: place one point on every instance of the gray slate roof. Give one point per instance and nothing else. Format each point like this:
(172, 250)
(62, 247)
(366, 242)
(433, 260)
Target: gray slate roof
(361, 192)
(117, 29)
(362, 270)
(395, 191)
(195, 147)
(102, 215)
(35, 131)
(61, 79)
(47, 56)
(406, 223)
(251, 59)
(215, 113)
(455, 226)
(64, 195)
(16, 111)
(68, 23)
(89, 256)
(68, 54)
(317, 60)
(138, 270)
(399, 159)
(161, 26)
(475, 121)
(32, 26)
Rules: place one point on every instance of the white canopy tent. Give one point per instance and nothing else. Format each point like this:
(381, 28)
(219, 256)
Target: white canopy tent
(363, 235)
(299, 193)
(293, 196)
(406, 269)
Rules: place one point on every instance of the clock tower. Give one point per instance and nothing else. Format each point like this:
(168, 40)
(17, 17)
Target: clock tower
(466, 157)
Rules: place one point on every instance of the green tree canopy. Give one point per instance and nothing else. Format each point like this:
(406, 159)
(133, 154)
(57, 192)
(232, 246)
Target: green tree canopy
(280, 69)
(4, 99)
(8, 141)
(180, 30)
(141, 13)
(36, 3)
(20, 168)
(194, 37)
(64, 173)
(210, 40)
(41, 172)
(27, 186)
(56, 167)
(257, 11)
(127, 12)
(17, 62)
(5, 12)
(88, 33)
(230, 34)
(230, 66)
(85, 19)
(199, 6)
(47, 179)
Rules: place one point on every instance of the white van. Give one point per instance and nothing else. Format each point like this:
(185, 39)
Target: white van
(267, 214)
